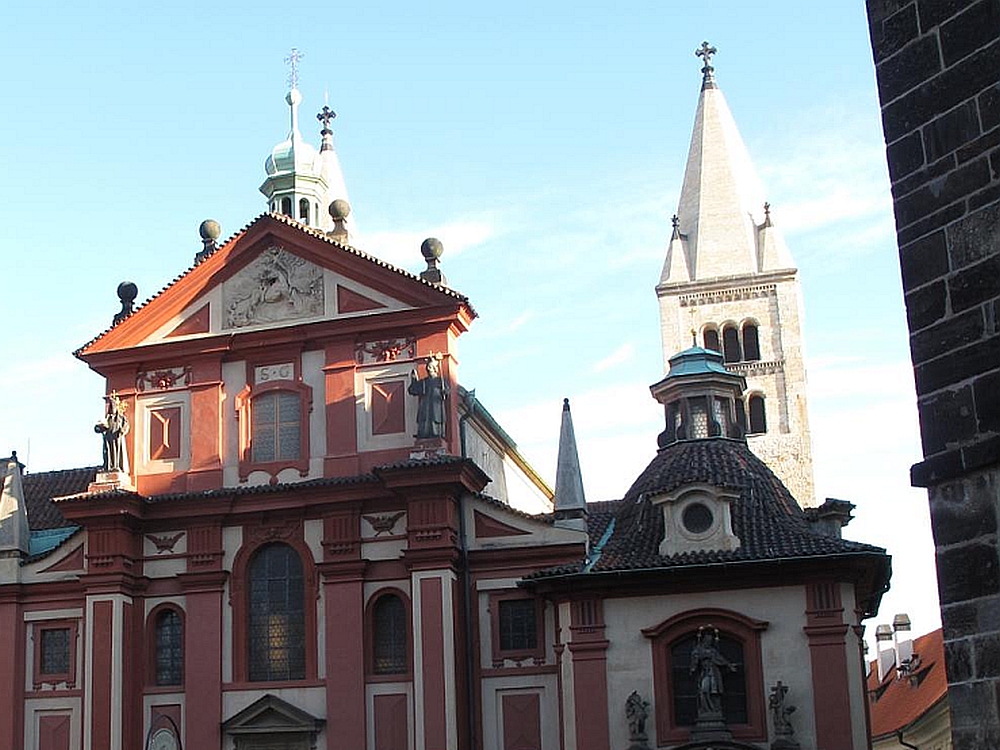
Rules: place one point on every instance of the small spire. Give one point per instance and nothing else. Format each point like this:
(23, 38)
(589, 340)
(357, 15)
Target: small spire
(694, 337)
(570, 503)
(767, 214)
(326, 116)
(707, 71)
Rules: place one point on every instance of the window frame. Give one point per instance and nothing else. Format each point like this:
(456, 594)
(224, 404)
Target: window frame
(750, 324)
(501, 654)
(152, 646)
(737, 341)
(733, 625)
(54, 678)
(244, 414)
(371, 674)
(256, 537)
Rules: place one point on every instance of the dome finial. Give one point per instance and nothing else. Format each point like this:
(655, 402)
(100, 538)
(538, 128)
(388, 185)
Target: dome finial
(707, 71)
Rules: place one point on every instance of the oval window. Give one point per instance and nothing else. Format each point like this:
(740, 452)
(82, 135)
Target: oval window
(697, 518)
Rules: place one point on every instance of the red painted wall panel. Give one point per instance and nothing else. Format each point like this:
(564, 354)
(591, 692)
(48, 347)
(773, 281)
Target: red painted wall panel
(203, 669)
(522, 722)
(389, 715)
(53, 732)
(345, 668)
(432, 645)
(100, 698)
(11, 693)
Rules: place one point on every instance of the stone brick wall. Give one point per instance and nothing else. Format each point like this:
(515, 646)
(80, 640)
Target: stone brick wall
(774, 302)
(938, 69)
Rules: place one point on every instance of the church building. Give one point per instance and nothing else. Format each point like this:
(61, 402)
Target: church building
(305, 533)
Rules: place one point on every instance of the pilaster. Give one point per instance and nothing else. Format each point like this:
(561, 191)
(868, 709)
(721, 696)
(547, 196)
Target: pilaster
(589, 652)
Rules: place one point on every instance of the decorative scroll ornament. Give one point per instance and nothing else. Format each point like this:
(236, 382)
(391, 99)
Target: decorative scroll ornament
(275, 287)
(386, 350)
(164, 380)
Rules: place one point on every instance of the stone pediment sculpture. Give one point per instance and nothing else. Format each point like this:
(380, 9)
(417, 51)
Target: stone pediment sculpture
(275, 287)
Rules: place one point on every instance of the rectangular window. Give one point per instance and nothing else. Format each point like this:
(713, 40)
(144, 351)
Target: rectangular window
(518, 625)
(54, 659)
(276, 426)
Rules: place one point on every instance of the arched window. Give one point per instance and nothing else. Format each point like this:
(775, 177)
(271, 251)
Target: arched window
(758, 416)
(168, 633)
(751, 342)
(731, 344)
(276, 613)
(286, 206)
(389, 635)
(276, 426)
(304, 211)
(711, 337)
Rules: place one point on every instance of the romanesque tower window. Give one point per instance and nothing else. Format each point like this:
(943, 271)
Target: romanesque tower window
(751, 342)
(711, 336)
(758, 415)
(731, 351)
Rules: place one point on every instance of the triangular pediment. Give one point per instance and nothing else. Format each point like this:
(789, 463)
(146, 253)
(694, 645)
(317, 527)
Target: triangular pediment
(272, 714)
(274, 274)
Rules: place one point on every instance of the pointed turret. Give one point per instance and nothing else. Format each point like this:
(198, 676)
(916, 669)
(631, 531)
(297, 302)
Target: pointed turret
(721, 198)
(301, 182)
(14, 530)
(570, 503)
(729, 279)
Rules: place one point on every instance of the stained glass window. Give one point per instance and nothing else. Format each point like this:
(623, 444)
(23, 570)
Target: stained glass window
(55, 651)
(169, 648)
(275, 430)
(277, 614)
(518, 625)
(389, 635)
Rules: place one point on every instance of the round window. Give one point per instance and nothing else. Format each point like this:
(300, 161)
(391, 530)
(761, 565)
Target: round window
(697, 518)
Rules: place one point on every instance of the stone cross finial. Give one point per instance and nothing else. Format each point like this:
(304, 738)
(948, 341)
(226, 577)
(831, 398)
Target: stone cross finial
(293, 64)
(675, 220)
(705, 52)
(325, 116)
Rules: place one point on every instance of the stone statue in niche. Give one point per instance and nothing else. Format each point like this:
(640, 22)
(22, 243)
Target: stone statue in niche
(784, 733)
(113, 429)
(636, 713)
(706, 664)
(276, 286)
(431, 393)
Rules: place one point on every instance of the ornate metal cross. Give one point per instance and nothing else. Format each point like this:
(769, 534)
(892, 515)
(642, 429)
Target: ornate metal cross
(325, 116)
(706, 51)
(293, 64)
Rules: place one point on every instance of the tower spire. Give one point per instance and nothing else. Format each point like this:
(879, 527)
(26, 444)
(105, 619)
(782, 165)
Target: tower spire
(570, 503)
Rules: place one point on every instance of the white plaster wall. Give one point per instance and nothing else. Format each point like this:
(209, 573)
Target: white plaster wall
(566, 670)
(315, 378)
(234, 380)
(35, 573)
(784, 649)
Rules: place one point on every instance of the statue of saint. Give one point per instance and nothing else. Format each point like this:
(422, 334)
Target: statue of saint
(431, 393)
(780, 712)
(636, 713)
(113, 429)
(706, 660)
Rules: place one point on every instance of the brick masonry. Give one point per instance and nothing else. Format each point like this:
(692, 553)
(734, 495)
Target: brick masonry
(938, 71)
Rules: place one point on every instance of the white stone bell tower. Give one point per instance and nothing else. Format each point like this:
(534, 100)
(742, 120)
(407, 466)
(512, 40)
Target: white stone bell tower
(729, 280)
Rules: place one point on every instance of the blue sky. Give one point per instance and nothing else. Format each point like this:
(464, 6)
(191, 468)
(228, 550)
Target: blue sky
(543, 143)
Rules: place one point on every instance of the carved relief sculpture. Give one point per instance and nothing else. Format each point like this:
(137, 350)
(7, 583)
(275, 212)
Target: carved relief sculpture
(113, 429)
(277, 286)
(431, 393)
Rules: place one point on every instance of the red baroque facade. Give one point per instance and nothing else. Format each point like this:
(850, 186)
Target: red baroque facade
(285, 564)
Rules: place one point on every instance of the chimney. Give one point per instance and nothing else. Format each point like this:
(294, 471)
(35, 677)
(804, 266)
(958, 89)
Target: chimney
(886, 658)
(901, 638)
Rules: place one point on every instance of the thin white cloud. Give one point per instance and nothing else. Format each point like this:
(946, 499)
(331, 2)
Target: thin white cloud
(402, 247)
(619, 356)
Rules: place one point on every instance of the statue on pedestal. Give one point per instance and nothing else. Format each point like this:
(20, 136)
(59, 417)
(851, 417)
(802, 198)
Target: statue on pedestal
(113, 429)
(636, 713)
(784, 733)
(431, 393)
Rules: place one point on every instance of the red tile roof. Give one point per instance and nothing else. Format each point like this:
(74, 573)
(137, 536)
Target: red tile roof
(40, 488)
(897, 702)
